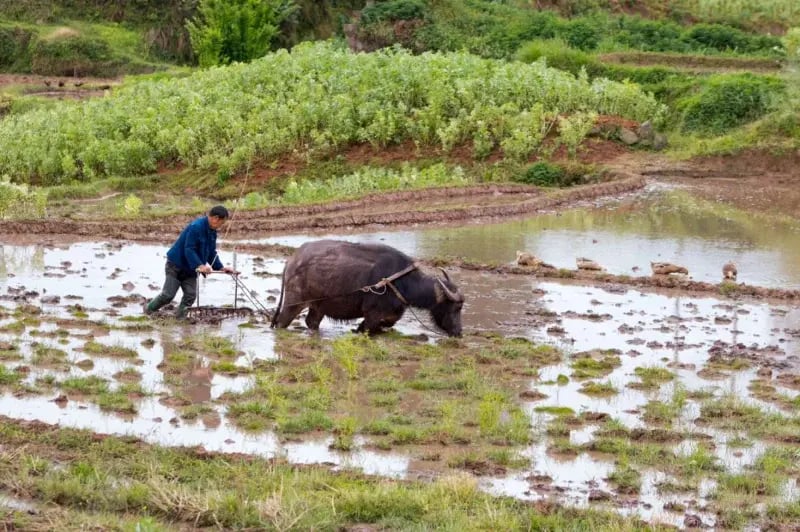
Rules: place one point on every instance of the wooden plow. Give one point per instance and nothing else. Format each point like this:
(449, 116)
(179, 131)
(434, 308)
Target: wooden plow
(216, 314)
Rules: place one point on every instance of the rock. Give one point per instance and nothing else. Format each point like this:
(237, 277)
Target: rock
(527, 259)
(61, 400)
(666, 268)
(627, 136)
(645, 131)
(729, 271)
(50, 300)
(587, 264)
(599, 495)
(659, 141)
(692, 521)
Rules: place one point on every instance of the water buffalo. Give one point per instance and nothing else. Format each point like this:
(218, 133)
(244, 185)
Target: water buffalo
(327, 276)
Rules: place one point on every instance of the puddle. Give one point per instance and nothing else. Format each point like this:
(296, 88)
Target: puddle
(14, 503)
(620, 236)
(647, 330)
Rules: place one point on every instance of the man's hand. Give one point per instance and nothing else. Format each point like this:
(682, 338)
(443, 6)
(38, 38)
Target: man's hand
(228, 269)
(205, 268)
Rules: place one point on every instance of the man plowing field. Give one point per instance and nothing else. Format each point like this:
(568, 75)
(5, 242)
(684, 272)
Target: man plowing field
(195, 251)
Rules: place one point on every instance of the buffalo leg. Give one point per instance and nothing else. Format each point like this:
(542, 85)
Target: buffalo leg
(372, 326)
(314, 318)
(286, 315)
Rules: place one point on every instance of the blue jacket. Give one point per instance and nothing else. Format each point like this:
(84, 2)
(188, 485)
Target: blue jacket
(196, 245)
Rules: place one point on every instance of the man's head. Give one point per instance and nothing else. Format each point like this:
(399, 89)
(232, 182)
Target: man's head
(217, 217)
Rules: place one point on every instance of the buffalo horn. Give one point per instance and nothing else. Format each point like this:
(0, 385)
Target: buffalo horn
(450, 295)
(445, 274)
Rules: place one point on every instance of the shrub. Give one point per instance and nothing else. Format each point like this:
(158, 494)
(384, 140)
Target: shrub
(728, 102)
(791, 41)
(557, 54)
(573, 129)
(8, 47)
(581, 34)
(650, 35)
(225, 31)
(393, 10)
(543, 174)
(721, 37)
(15, 46)
(69, 56)
(18, 201)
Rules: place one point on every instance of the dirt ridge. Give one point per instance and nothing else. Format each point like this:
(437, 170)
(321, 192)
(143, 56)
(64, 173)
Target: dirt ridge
(674, 282)
(333, 216)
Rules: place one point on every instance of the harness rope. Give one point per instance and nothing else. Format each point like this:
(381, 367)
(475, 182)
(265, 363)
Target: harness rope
(373, 289)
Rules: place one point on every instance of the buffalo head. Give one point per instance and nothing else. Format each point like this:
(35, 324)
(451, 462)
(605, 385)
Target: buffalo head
(446, 311)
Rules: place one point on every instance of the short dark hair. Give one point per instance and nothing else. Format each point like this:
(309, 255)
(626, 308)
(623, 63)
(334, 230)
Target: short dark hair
(219, 211)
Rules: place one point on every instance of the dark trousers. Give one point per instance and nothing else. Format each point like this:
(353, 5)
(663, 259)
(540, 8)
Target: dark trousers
(176, 278)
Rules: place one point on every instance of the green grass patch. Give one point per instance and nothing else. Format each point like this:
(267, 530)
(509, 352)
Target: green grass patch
(652, 377)
(586, 366)
(91, 385)
(8, 376)
(113, 351)
(600, 389)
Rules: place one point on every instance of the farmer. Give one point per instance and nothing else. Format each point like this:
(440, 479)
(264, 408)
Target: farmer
(194, 252)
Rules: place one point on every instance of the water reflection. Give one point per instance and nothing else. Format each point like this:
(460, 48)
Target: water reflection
(648, 330)
(659, 225)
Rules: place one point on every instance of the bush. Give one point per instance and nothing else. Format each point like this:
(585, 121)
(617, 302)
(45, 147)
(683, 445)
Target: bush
(728, 102)
(650, 35)
(393, 10)
(557, 53)
(542, 174)
(18, 201)
(791, 41)
(13, 43)
(582, 34)
(70, 56)
(236, 30)
(722, 38)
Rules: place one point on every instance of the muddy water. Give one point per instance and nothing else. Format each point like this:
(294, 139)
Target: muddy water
(648, 330)
(623, 236)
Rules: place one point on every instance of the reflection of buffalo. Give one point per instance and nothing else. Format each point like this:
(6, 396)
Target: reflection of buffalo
(345, 281)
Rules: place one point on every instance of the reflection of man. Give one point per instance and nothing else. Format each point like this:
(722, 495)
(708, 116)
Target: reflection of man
(194, 251)
(197, 384)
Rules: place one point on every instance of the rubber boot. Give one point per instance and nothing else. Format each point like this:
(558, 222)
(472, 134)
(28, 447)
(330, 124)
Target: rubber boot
(150, 308)
(180, 314)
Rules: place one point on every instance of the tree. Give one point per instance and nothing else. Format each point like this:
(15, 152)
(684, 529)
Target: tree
(236, 30)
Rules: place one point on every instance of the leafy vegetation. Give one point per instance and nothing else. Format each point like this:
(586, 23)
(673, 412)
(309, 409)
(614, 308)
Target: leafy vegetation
(21, 202)
(225, 31)
(728, 102)
(316, 98)
(370, 179)
(499, 29)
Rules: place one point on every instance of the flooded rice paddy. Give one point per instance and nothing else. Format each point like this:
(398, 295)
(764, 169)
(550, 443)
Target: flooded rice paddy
(623, 236)
(664, 406)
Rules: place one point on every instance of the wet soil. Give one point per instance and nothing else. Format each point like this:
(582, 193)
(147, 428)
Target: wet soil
(86, 299)
(60, 87)
(430, 206)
